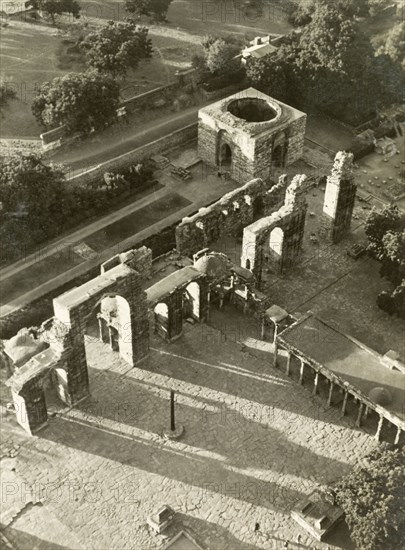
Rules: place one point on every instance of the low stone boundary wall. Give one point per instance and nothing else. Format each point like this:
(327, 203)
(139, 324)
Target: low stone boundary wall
(171, 141)
(154, 99)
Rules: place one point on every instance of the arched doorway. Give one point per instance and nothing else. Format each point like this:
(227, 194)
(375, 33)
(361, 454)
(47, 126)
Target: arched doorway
(276, 241)
(278, 156)
(247, 265)
(161, 311)
(112, 325)
(258, 208)
(191, 301)
(225, 156)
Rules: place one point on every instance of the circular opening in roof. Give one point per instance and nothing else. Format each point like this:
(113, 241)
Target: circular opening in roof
(252, 109)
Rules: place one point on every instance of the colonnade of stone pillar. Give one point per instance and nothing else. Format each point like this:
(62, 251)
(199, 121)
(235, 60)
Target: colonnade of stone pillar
(363, 410)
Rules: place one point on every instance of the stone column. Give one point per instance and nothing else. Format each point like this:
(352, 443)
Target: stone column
(288, 366)
(208, 304)
(301, 380)
(110, 337)
(366, 411)
(345, 403)
(358, 420)
(316, 382)
(275, 354)
(330, 396)
(275, 332)
(263, 326)
(398, 435)
(380, 425)
(100, 329)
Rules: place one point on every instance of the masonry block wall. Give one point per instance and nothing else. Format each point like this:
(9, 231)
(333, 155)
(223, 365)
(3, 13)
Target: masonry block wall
(73, 311)
(29, 401)
(340, 196)
(275, 241)
(139, 259)
(296, 138)
(228, 216)
(245, 145)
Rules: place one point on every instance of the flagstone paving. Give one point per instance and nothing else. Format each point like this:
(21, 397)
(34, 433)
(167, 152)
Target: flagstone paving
(255, 443)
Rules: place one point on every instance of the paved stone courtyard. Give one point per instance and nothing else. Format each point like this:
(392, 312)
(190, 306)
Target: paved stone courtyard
(255, 443)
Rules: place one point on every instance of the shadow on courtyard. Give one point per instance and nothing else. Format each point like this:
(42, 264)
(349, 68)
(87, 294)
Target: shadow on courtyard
(25, 541)
(124, 419)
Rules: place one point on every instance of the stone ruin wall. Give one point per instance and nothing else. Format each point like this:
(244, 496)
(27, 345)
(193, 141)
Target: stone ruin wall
(71, 324)
(340, 197)
(139, 259)
(251, 155)
(228, 216)
(290, 219)
(296, 138)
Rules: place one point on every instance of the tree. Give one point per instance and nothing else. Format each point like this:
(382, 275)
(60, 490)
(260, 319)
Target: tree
(378, 224)
(398, 298)
(378, 6)
(300, 12)
(32, 194)
(337, 67)
(81, 101)
(394, 45)
(116, 47)
(56, 7)
(269, 74)
(218, 58)
(156, 8)
(372, 498)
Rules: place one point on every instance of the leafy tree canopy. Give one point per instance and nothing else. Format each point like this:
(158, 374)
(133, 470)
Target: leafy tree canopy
(25, 182)
(394, 45)
(378, 224)
(156, 8)
(116, 47)
(331, 67)
(372, 499)
(56, 7)
(218, 57)
(81, 101)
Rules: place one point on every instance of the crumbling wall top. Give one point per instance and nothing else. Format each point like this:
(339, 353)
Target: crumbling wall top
(343, 166)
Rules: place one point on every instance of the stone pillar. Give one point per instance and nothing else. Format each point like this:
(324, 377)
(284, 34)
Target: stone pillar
(102, 330)
(208, 304)
(330, 396)
(340, 195)
(379, 427)
(275, 354)
(175, 315)
(301, 380)
(316, 382)
(110, 338)
(30, 405)
(275, 332)
(345, 403)
(263, 326)
(398, 435)
(288, 366)
(358, 420)
(366, 411)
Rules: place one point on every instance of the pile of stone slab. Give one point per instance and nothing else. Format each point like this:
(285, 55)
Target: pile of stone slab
(181, 173)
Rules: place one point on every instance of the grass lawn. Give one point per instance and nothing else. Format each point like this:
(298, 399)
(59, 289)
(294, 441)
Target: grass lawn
(33, 53)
